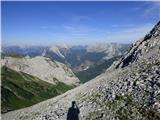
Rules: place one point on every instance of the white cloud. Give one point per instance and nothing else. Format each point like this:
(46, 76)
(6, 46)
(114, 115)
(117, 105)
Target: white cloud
(78, 18)
(122, 25)
(129, 35)
(69, 27)
(152, 10)
(136, 8)
(48, 27)
(78, 29)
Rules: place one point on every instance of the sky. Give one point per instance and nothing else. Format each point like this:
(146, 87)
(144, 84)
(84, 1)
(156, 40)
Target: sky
(46, 23)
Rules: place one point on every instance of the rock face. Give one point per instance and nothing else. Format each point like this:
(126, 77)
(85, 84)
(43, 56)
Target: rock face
(145, 48)
(130, 89)
(43, 68)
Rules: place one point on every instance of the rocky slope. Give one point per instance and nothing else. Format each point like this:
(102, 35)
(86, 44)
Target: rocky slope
(43, 68)
(130, 89)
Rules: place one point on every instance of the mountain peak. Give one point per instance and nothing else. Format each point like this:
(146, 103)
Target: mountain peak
(141, 48)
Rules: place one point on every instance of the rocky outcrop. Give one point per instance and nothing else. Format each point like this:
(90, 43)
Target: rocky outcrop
(122, 93)
(141, 48)
(43, 68)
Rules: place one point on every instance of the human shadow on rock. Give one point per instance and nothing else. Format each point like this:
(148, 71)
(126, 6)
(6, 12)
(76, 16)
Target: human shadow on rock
(73, 112)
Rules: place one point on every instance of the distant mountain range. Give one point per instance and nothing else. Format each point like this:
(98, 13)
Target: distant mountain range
(77, 57)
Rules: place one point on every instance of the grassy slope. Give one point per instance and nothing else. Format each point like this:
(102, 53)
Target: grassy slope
(20, 90)
(96, 70)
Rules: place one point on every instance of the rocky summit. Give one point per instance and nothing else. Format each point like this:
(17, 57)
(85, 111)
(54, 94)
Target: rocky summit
(129, 89)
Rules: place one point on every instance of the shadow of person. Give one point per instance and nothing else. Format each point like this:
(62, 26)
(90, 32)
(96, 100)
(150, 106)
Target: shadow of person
(73, 112)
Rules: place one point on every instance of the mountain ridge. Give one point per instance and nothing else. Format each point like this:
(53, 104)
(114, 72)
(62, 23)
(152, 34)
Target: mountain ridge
(74, 56)
(43, 68)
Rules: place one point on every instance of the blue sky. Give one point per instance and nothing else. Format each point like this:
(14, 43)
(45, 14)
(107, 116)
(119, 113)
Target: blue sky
(46, 23)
